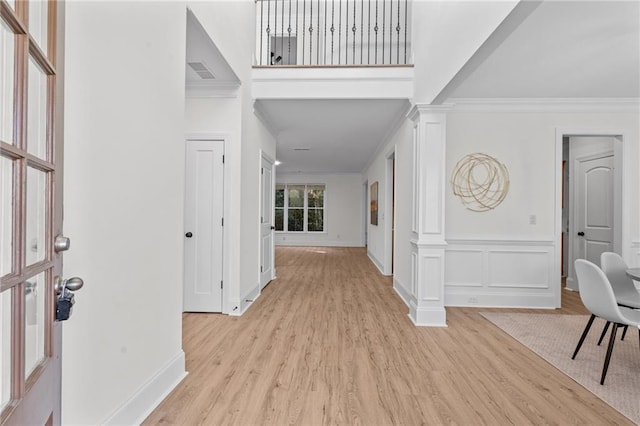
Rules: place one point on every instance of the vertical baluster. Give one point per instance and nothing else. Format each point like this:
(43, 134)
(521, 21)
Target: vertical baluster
(304, 29)
(282, 36)
(369, 35)
(398, 36)
(261, 27)
(297, 32)
(390, 30)
(333, 28)
(354, 29)
(346, 35)
(384, 16)
(311, 33)
(318, 36)
(405, 30)
(269, 31)
(375, 29)
(324, 36)
(289, 40)
(275, 33)
(339, 30)
(361, 32)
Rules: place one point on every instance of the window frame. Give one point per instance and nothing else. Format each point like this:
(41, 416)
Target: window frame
(305, 208)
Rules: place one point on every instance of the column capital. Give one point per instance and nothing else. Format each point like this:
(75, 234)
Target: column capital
(420, 109)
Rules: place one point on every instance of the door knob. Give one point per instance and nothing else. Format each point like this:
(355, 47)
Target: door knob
(581, 234)
(273, 228)
(188, 235)
(61, 243)
(71, 284)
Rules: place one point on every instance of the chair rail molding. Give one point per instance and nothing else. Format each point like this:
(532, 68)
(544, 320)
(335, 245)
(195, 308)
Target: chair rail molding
(426, 303)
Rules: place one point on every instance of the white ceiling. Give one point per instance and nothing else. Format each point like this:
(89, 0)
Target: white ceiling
(563, 49)
(342, 135)
(552, 49)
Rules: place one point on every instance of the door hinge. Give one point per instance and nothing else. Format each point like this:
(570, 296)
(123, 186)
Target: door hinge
(223, 221)
(221, 284)
(262, 170)
(223, 159)
(261, 269)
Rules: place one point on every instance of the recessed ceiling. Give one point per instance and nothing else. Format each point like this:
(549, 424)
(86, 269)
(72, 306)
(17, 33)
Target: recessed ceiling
(563, 49)
(330, 136)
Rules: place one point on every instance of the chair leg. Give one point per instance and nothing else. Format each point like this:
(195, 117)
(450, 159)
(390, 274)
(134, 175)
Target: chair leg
(612, 340)
(624, 332)
(604, 332)
(584, 335)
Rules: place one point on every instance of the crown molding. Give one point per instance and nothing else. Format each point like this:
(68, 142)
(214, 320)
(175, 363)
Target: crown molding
(397, 122)
(265, 118)
(418, 109)
(552, 105)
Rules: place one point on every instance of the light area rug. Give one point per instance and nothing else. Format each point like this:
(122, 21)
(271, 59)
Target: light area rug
(554, 338)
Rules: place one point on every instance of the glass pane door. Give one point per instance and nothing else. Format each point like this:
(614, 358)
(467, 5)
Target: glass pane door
(27, 167)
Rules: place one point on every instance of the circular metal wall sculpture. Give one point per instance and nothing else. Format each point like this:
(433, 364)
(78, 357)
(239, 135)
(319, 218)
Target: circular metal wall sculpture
(481, 182)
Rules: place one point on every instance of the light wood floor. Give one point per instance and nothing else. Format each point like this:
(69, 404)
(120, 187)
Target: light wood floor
(329, 342)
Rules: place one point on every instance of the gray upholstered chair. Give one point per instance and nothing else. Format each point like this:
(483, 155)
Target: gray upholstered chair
(597, 296)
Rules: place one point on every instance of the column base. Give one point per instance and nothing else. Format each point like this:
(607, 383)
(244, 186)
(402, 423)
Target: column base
(427, 317)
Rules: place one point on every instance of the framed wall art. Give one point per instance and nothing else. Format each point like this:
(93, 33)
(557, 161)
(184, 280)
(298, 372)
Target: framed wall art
(374, 203)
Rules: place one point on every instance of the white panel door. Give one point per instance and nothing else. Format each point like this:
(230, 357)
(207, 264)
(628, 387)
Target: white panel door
(203, 229)
(266, 223)
(594, 208)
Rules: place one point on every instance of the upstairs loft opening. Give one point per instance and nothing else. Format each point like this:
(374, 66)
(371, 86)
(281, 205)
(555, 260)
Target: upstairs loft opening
(332, 33)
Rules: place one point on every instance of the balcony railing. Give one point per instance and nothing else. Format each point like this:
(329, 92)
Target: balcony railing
(332, 32)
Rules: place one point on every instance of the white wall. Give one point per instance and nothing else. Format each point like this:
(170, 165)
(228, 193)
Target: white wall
(123, 195)
(378, 236)
(343, 211)
(509, 261)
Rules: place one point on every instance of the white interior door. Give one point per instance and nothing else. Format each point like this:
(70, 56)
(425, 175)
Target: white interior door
(266, 223)
(203, 239)
(594, 208)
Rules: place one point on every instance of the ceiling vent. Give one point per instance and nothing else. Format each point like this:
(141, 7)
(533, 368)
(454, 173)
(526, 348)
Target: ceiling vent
(302, 149)
(202, 70)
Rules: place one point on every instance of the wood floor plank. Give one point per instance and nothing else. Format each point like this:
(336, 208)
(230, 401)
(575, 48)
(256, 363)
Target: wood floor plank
(329, 342)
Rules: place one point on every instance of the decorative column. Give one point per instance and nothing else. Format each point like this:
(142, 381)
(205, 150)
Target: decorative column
(428, 244)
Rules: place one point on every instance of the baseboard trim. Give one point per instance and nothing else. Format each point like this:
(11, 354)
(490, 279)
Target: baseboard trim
(375, 262)
(328, 243)
(480, 300)
(401, 291)
(138, 407)
(247, 300)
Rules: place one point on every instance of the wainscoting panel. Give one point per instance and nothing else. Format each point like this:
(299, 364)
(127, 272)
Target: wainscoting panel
(464, 267)
(519, 268)
(432, 270)
(500, 273)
